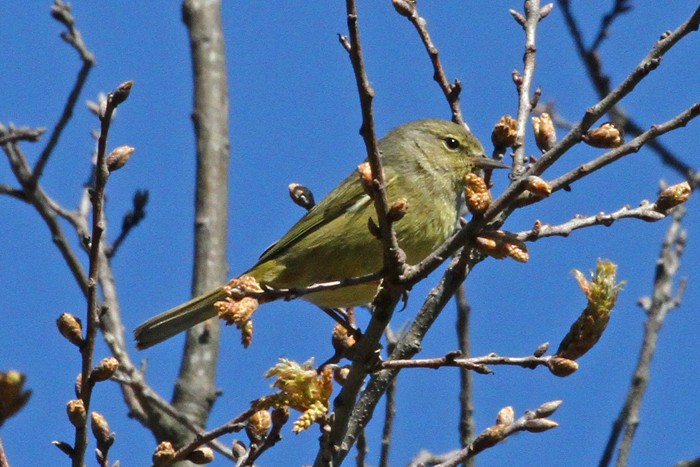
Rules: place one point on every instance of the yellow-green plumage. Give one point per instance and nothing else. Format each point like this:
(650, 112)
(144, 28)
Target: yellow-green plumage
(424, 161)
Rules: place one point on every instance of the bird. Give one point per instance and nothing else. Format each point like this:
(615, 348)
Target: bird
(424, 161)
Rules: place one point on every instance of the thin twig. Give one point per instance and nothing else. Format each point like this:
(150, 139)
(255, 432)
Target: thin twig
(524, 82)
(467, 425)
(534, 421)
(389, 408)
(663, 301)
(62, 13)
(450, 90)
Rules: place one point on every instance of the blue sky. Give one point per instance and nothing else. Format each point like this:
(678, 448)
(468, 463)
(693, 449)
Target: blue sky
(295, 117)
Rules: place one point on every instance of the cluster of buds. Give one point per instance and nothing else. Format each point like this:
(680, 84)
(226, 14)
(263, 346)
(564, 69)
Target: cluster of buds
(476, 194)
(534, 421)
(601, 293)
(545, 134)
(13, 396)
(673, 196)
(237, 308)
(302, 388)
(608, 135)
(165, 454)
(499, 244)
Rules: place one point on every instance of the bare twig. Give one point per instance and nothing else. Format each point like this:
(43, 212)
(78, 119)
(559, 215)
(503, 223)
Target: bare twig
(389, 409)
(646, 212)
(93, 306)
(534, 421)
(533, 16)
(663, 301)
(467, 425)
(62, 13)
(408, 9)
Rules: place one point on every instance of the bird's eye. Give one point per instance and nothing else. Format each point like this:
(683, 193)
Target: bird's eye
(452, 143)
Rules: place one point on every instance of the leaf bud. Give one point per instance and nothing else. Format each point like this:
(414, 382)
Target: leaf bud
(119, 157)
(504, 132)
(258, 425)
(164, 454)
(104, 370)
(673, 196)
(301, 196)
(477, 194)
(200, 456)
(404, 7)
(539, 425)
(545, 134)
(537, 186)
(608, 135)
(100, 428)
(562, 367)
(71, 328)
(76, 412)
(398, 209)
(505, 416)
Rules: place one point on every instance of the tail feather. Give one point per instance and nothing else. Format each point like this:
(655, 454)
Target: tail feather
(178, 319)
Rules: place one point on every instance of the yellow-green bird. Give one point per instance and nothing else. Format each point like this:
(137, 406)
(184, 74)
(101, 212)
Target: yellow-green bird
(424, 161)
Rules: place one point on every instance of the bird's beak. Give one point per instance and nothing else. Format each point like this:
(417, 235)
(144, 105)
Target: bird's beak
(488, 163)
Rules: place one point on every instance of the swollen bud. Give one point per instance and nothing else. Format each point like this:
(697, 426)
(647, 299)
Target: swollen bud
(71, 328)
(537, 186)
(673, 196)
(545, 134)
(200, 456)
(76, 413)
(608, 135)
(404, 7)
(258, 425)
(119, 157)
(504, 132)
(506, 416)
(477, 194)
(104, 370)
(398, 209)
(164, 454)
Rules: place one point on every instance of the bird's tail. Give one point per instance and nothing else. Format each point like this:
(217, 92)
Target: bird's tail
(178, 319)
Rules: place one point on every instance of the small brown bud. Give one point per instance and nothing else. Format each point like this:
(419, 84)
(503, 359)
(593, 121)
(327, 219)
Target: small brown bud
(340, 375)
(404, 7)
(477, 194)
(100, 427)
(499, 244)
(547, 409)
(537, 186)
(342, 339)
(119, 157)
(373, 228)
(539, 425)
(121, 93)
(490, 436)
(280, 416)
(398, 209)
(76, 413)
(366, 178)
(504, 132)
(562, 366)
(104, 370)
(608, 135)
(258, 425)
(545, 134)
(673, 196)
(506, 416)
(546, 10)
(238, 449)
(541, 349)
(301, 196)
(200, 456)
(517, 78)
(164, 454)
(71, 328)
